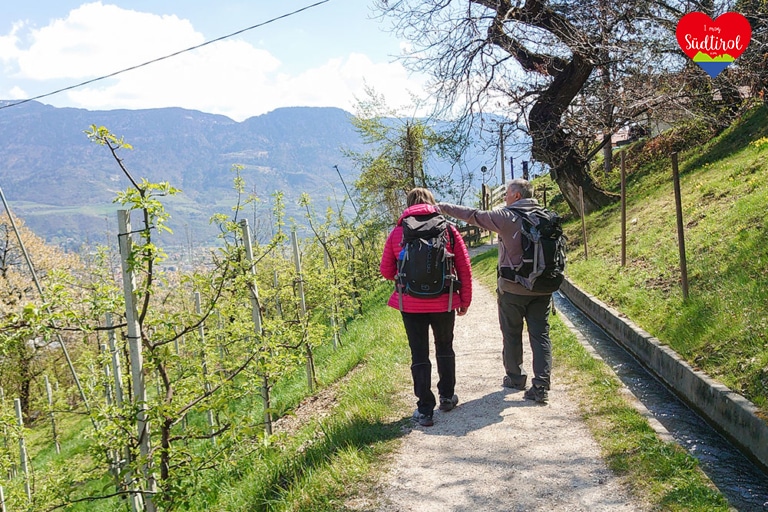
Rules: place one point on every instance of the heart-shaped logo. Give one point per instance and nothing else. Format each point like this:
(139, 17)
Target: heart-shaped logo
(713, 44)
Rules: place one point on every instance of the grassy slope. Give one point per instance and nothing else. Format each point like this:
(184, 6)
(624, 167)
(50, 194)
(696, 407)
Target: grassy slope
(723, 327)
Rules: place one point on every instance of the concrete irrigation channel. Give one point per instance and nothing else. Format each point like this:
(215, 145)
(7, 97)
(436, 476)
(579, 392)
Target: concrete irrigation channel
(714, 424)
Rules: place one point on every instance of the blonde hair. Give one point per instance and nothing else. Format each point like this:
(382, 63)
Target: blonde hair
(419, 195)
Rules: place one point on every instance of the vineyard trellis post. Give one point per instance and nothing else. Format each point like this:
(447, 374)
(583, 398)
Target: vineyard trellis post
(117, 370)
(113, 455)
(257, 323)
(623, 212)
(134, 345)
(206, 383)
(22, 448)
(303, 310)
(51, 414)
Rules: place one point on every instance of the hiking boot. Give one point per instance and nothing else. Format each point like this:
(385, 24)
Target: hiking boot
(508, 383)
(425, 420)
(537, 393)
(447, 404)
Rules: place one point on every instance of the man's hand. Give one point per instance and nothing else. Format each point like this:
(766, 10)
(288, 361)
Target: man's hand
(461, 311)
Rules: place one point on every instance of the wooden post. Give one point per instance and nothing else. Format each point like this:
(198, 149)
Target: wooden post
(680, 228)
(256, 316)
(22, 448)
(201, 333)
(133, 329)
(583, 222)
(303, 311)
(49, 394)
(623, 212)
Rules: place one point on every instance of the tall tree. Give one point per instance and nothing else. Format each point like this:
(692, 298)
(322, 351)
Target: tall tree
(575, 71)
(401, 150)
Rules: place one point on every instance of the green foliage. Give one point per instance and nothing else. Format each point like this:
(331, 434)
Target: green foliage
(207, 367)
(399, 156)
(723, 327)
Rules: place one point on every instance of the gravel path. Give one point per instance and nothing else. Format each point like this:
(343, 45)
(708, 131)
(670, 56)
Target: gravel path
(497, 451)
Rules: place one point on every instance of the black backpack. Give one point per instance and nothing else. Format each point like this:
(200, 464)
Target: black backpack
(543, 266)
(425, 267)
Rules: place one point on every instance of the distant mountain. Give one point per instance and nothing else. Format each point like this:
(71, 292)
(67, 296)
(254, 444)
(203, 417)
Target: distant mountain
(63, 185)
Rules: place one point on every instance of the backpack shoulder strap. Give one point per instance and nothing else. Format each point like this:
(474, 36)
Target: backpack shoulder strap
(451, 236)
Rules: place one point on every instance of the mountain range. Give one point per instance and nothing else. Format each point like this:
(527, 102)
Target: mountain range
(63, 185)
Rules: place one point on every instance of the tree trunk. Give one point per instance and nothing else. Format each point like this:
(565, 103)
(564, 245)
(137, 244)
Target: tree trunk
(552, 145)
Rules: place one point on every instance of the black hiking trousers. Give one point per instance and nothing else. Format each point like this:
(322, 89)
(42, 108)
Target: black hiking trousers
(417, 329)
(534, 310)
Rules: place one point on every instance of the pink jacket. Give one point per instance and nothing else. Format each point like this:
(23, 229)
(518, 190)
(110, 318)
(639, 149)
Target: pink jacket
(388, 268)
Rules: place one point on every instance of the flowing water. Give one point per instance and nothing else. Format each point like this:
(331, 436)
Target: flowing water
(742, 482)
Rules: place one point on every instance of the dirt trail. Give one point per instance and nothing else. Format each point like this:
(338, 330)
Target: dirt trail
(497, 451)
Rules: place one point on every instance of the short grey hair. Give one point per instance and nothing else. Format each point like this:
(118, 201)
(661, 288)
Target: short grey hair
(523, 186)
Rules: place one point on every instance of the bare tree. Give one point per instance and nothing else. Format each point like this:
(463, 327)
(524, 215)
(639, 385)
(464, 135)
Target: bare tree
(575, 71)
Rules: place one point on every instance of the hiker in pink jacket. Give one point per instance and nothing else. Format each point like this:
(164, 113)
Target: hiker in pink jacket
(439, 312)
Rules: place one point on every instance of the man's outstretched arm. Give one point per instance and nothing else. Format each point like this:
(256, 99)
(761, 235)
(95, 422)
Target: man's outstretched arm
(492, 220)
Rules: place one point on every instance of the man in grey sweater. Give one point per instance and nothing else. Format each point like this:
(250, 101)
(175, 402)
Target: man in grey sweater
(516, 303)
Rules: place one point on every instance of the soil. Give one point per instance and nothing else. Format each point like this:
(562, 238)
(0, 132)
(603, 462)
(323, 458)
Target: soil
(497, 451)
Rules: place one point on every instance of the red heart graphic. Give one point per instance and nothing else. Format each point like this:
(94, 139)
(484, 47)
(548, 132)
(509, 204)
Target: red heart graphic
(729, 34)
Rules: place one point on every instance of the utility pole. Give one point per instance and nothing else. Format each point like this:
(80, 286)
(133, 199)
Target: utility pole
(501, 146)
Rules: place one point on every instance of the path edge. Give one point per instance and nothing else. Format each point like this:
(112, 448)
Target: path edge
(730, 413)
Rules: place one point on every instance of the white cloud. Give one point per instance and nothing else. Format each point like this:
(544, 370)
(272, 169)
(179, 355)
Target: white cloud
(9, 50)
(229, 77)
(96, 39)
(17, 93)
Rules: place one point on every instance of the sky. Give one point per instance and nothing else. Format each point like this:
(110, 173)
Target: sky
(323, 56)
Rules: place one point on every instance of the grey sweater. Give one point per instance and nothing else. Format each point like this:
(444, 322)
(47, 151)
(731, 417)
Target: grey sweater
(507, 224)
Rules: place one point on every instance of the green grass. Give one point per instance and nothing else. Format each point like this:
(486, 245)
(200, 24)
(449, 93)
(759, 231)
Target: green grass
(660, 474)
(332, 459)
(723, 326)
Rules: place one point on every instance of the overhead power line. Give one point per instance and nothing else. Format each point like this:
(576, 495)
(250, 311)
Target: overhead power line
(287, 15)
